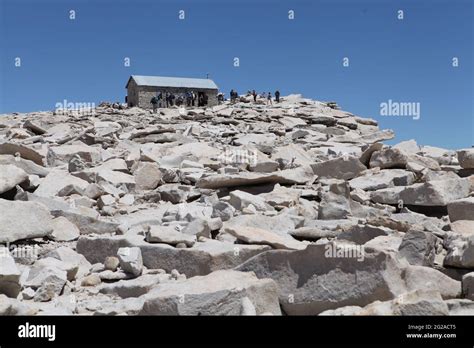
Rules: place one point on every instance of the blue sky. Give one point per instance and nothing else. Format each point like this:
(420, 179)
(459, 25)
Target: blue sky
(407, 60)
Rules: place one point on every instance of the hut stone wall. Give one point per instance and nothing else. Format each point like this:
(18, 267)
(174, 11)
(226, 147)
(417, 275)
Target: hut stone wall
(141, 95)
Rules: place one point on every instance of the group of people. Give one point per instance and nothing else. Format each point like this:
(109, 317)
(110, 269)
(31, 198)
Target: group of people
(268, 96)
(233, 96)
(189, 98)
(168, 99)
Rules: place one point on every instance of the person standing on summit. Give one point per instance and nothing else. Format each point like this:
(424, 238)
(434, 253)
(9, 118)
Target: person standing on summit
(193, 96)
(269, 99)
(160, 100)
(154, 103)
(189, 98)
(277, 96)
(254, 94)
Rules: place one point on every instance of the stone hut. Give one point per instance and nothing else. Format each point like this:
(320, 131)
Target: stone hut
(140, 89)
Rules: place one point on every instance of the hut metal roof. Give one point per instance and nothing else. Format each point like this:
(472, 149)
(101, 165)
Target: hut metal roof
(176, 82)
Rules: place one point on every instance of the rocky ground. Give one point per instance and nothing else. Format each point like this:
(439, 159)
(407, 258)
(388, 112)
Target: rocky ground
(296, 208)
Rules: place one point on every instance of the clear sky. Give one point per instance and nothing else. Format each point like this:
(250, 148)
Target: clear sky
(409, 60)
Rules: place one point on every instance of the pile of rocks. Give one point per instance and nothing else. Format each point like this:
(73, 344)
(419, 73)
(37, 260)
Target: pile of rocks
(294, 208)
